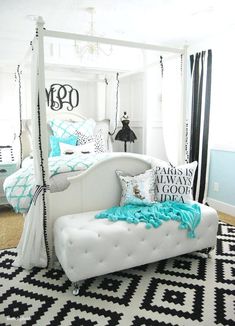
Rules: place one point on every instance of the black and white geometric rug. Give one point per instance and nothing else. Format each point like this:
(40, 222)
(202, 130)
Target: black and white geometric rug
(186, 290)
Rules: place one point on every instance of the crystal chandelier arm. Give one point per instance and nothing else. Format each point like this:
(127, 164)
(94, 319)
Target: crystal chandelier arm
(92, 48)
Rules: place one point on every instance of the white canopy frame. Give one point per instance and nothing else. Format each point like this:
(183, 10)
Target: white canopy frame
(36, 247)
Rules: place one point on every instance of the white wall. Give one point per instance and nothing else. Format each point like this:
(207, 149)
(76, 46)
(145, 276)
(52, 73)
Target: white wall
(141, 101)
(140, 97)
(87, 94)
(131, 100)
(9, 109)
(153, 113)
(8, 99)
(222, 131)
(222, 118)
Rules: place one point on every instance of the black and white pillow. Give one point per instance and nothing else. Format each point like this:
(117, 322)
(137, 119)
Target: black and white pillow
(174, 183)
(98, 139)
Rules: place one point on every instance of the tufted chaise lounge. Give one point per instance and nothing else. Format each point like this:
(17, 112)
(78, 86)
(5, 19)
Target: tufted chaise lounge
(88, 247)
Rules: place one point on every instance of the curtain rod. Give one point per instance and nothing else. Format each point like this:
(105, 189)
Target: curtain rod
(143, 69)
(137, 45)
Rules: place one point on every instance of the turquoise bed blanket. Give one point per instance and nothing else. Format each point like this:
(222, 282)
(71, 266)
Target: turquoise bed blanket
(19, 187)
(188, 215)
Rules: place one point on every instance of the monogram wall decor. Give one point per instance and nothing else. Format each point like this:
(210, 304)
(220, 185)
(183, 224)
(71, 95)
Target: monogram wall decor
(62, 96)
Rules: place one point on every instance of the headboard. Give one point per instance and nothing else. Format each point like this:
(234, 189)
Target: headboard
(69, 116)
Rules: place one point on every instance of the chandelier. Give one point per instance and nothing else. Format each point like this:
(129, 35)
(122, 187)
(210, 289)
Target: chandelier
(91, 49)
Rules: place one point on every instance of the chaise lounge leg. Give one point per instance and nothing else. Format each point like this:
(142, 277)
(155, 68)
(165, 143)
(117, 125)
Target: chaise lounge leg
(208, 251)
(76, 288)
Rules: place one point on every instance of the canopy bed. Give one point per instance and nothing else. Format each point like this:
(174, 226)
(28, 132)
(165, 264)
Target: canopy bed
(93, 190)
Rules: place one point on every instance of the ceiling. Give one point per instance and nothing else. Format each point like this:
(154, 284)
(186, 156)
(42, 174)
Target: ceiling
(165, 22)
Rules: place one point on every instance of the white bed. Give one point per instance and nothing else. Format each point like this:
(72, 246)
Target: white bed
(58, 181)
(93, 189)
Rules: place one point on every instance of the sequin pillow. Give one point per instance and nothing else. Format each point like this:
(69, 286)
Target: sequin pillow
(64, 128)
(174, 183)
(138, 188)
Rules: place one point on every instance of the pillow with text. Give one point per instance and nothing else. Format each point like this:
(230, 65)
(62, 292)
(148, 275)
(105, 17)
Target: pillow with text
(174, 183)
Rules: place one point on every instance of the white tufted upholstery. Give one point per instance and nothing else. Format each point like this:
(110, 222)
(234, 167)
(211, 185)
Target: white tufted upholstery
(88, 247)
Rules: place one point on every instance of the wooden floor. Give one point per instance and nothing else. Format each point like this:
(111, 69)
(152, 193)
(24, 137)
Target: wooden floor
(11, 226)
(227, 218)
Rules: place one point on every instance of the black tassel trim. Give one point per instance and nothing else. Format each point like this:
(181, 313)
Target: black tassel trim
(161, 65)
(19, 73)
(42, 188)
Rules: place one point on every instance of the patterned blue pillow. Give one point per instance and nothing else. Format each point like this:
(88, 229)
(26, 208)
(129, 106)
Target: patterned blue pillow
(64, 129)
(55, 144)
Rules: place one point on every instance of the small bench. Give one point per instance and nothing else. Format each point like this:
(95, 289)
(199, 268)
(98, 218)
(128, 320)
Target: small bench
(88, 247)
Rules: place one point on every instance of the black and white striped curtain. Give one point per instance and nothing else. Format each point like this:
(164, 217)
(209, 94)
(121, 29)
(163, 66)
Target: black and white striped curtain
(199, 119)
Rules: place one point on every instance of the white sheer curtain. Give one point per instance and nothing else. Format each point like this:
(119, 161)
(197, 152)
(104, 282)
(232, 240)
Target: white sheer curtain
(111, 100)
(33, 249)
(172, 110)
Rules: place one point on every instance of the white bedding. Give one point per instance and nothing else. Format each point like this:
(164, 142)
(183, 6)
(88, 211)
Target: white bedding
(58, 182)
(19, 187)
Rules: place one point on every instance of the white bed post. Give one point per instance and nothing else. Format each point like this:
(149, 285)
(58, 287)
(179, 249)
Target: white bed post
(43, 160)
(35, 246)
(41, 91)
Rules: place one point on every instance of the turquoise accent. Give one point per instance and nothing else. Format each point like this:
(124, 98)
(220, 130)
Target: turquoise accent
(55, 144)
(222, 171)
(132, 200)
(188, 215)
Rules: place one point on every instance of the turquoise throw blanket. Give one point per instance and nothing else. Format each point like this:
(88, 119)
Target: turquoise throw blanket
(188, 215)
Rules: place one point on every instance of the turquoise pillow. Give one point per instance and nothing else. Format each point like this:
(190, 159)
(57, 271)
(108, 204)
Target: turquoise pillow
(55, 144)
(63, 128)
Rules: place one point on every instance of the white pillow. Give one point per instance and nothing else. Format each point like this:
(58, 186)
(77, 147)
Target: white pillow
(66, 149)
(174, 183)
(104, 126)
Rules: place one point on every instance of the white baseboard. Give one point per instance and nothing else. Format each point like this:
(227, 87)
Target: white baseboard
(221, 206)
